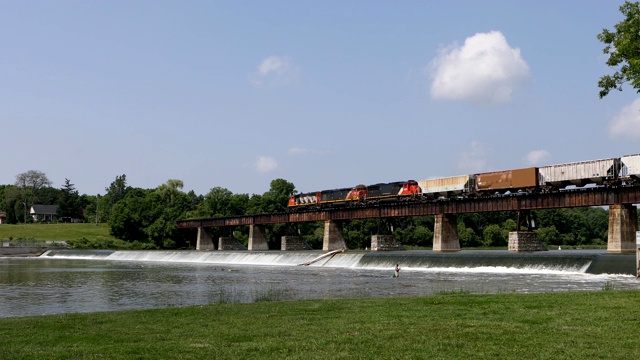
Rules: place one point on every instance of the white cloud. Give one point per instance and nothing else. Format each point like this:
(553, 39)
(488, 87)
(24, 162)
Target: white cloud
(535, 157)
(484, 70)
(475, 159)
(266, 164)
(627, 122)
(275, 70)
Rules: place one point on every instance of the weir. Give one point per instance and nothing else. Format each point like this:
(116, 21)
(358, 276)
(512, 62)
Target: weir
(565, 261)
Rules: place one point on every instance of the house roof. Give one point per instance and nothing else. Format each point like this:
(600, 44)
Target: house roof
(3, 214)
(44, 209)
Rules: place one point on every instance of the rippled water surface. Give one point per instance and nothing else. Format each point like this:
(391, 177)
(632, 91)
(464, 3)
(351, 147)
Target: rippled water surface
(36, 286)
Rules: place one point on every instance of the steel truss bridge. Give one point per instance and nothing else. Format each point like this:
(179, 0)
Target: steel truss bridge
(595, 196)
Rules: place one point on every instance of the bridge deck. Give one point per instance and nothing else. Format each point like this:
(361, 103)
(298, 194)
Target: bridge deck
(562, 199)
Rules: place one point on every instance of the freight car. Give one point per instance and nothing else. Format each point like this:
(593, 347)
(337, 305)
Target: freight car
(631, 169)
(449, 187)
(599, 172)
(511, 181)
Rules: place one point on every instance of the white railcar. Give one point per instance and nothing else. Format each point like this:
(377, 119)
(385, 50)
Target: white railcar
(580, 173)
(631, 170)
(447, 187)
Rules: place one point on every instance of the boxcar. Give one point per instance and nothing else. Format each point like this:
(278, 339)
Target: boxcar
(508, 181)
(580, 173)
(447, 187)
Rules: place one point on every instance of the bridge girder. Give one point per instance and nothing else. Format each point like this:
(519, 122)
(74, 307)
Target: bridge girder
(537, 201)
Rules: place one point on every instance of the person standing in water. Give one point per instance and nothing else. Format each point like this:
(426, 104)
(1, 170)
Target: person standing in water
(397, 271)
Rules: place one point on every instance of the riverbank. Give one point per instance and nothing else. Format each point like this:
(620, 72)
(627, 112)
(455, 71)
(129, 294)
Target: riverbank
(580, 325)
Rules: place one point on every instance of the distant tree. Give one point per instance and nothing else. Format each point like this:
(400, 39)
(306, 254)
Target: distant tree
(623, 48)
(493, 235)
(276, 199)
(130, 216)
(30, 183)
(115, 192)
(69, 202)
(548, 235)
(47, 195)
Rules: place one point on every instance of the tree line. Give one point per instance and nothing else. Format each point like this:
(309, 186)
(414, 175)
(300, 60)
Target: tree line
(147, 218)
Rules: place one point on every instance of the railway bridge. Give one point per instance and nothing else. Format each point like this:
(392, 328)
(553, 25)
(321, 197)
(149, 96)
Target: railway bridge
(620, 200)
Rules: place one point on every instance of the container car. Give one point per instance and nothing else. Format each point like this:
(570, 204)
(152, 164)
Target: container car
(526, 179)
(599, 172)
(447, 187)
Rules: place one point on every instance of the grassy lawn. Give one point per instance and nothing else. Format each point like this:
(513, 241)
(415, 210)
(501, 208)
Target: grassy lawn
(578, 325)
(57, 232)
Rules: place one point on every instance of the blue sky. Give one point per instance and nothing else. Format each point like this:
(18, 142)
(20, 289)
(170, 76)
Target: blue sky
(324, 94)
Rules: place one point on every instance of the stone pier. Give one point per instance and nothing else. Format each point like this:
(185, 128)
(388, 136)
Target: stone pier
(333, 239)
(622, 229)
(525, 241)
(257, 238)
(205, 241)
(384, 243)
(229, 243)
(445, 234)
(294, 243)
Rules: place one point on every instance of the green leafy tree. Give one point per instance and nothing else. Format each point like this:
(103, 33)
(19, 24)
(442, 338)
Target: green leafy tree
(623, 48)
(493, 235)
(548, 235)
(276, 199)
(115, 192)
(130, 216)
(9, 200)
(30, 184)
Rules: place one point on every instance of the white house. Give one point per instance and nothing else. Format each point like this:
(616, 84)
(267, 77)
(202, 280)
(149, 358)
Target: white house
(44, 212)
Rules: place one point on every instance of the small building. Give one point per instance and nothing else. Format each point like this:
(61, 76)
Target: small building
(3, 217)
(44, 212)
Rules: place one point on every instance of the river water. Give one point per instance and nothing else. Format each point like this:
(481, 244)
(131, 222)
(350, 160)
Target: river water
(110, 281)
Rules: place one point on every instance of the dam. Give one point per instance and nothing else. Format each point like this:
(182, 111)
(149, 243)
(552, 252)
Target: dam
(564, 261)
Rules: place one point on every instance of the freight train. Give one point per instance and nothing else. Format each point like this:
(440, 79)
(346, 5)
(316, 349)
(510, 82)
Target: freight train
(622, 171)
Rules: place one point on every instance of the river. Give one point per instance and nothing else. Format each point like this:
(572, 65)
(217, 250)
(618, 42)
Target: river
(91, 281)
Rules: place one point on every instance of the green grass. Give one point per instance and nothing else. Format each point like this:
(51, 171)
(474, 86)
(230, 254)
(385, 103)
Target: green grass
(57, 232)
(579, 325)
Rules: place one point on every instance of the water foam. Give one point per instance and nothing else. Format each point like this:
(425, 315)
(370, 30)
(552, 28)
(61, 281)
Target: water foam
(426, 262)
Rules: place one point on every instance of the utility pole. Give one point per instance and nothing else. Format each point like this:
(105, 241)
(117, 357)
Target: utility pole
(97, 205)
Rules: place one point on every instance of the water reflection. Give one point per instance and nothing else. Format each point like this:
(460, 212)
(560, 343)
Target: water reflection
(50, 286)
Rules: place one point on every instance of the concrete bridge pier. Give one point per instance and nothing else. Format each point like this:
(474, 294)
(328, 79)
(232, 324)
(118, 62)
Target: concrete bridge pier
(445, 234)
(333, 238)
(257, 238)
(384, 243)
(293, 243)
(525, 241)
(205, 241)
(622, 229)
(229, 243)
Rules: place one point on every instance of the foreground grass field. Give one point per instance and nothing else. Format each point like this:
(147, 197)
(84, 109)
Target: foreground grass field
(580, 325)
(56, 232)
